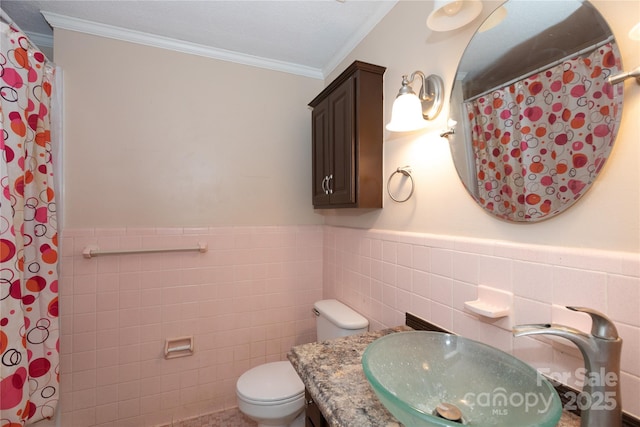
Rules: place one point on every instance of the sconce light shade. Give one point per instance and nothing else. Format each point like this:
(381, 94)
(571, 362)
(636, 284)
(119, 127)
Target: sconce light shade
(634, 34)
(411, 111)
(449, 15)
(406, 114)
(494, 19)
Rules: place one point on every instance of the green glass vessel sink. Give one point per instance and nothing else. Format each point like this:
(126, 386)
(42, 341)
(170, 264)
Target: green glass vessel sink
(431, 378)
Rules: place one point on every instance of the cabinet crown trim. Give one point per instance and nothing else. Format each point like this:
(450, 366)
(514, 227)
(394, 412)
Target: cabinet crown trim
(356, 66)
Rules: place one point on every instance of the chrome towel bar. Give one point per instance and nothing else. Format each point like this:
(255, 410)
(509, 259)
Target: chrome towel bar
(94, 251)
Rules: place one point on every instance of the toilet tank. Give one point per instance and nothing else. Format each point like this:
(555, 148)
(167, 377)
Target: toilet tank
(335, 320)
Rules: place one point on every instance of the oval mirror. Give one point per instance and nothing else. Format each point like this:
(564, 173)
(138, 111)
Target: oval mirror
(535, 116)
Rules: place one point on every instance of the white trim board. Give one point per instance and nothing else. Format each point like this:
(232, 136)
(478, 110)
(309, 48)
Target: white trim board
(122, 34)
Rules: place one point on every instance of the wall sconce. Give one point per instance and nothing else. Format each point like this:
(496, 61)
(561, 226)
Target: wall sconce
(493, 20)
(634, 34)
(411, 111)
(449, 15)
(451, 129)
(624, 76)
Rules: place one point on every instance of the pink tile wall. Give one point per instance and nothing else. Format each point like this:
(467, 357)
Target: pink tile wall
(385, 274)
(246, 301)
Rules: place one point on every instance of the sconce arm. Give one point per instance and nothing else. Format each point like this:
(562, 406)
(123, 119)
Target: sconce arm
(447, 133)
(624, 76)
(431, 92)
(426, 92)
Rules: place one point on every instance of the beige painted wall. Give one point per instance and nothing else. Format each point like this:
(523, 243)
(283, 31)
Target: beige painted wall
(608, 217)
(157, 138)
(152, 140)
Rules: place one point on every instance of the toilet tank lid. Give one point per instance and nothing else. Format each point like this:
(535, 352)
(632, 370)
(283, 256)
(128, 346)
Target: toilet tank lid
(340, 314)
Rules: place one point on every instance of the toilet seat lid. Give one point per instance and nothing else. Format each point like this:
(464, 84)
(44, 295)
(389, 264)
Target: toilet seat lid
(270, 382)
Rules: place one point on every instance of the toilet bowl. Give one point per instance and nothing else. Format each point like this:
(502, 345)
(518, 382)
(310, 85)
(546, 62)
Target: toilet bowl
(272, 395)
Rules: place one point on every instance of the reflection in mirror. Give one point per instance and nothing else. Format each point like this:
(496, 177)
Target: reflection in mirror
(536, 118)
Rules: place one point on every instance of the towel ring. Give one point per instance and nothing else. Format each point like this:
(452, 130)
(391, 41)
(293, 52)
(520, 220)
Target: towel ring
(406, 171)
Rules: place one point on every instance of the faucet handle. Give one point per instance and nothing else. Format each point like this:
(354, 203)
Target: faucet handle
(601, 325)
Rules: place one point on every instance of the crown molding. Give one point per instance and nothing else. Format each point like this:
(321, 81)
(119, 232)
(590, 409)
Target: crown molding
(133, 36)
(355, 40)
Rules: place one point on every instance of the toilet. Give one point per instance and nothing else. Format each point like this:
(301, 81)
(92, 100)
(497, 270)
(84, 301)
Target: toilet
(273, 394)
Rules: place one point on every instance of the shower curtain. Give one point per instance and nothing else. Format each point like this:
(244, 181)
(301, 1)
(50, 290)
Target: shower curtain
(29, 345)
(540, 141)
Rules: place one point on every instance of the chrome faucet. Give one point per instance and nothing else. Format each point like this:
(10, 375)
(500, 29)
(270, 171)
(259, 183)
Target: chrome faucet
(600, 401)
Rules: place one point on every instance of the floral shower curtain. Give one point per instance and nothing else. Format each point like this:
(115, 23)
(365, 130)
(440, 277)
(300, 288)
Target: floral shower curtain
(540, 141)
(29, 345)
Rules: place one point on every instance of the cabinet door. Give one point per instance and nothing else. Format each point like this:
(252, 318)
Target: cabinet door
(321, 153)
(313, 416)
(342, 144)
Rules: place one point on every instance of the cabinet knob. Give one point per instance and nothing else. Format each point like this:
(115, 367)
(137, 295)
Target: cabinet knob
(329, 179)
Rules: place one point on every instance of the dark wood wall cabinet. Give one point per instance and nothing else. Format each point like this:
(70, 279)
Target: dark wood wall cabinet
(347, 133)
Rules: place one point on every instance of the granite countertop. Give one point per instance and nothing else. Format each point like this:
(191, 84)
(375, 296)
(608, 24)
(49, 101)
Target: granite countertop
(332, 373)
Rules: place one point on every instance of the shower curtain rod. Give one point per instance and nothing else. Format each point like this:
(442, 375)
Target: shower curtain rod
(588, 49)
(4, 16)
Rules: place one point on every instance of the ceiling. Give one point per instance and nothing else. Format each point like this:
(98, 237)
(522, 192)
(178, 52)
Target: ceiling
(308, 37)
